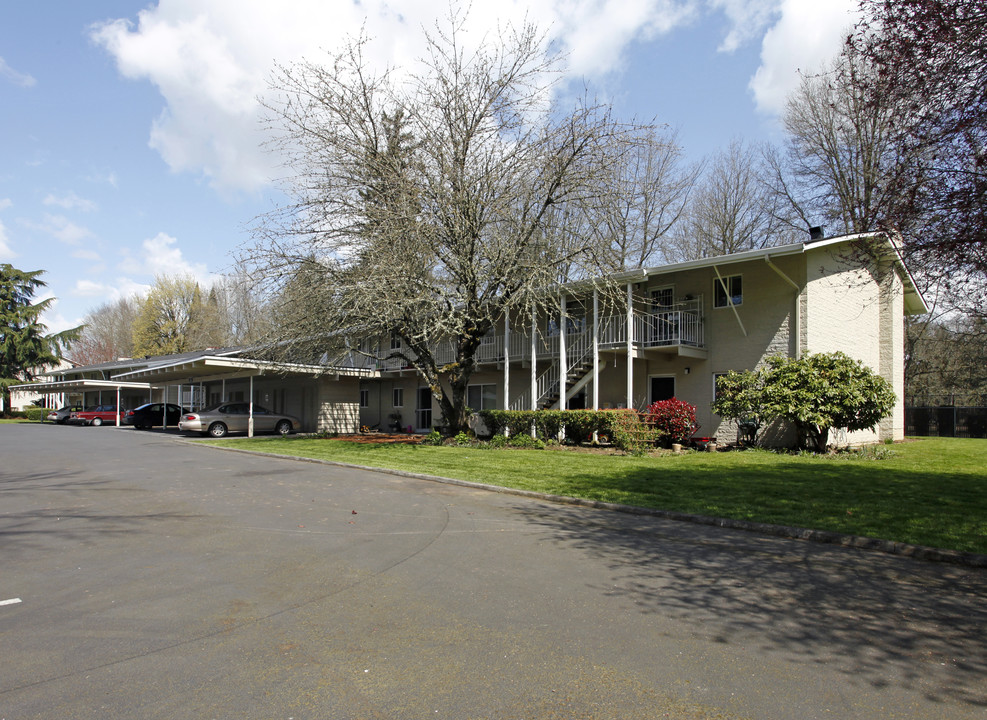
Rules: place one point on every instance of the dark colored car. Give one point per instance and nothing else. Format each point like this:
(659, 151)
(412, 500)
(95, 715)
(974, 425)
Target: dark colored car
(152, 415)
(95, 416)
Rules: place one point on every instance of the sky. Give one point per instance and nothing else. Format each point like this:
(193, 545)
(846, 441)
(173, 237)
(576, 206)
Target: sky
(131, 141)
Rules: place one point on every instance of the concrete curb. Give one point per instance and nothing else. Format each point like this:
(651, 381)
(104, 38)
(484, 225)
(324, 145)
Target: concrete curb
(918, 552)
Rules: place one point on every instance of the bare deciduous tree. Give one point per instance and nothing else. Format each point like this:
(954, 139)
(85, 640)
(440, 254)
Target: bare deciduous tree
(645, 195)
(838, 159)
(424, 207)
(731, 210)
(107, 333)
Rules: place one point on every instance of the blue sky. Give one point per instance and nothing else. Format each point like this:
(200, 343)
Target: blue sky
(130, 135)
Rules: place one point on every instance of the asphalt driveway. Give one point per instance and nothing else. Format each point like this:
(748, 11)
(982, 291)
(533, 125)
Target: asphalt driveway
(144, 577)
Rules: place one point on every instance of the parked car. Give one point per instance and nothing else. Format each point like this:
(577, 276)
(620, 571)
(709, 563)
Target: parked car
(233, 417)
(96, 416)
(152, 415)
(62, 415)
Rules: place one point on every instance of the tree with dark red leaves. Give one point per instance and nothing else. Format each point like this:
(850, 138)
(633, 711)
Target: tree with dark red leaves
(931, 61)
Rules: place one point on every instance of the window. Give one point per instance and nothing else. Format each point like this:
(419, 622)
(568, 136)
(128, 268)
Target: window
(716, 381)
(395, 341)
(398, 395)
(481, 397)
(364, 398)
(734, 286)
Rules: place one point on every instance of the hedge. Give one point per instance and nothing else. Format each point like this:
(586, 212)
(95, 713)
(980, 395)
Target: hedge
(623, 427)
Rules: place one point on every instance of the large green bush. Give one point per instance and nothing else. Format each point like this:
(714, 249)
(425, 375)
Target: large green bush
(816, 393)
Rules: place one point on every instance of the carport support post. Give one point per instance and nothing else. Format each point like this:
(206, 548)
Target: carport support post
(118, 406)
(250, 417)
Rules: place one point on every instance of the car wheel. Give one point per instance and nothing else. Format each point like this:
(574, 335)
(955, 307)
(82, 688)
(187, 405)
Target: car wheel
(283, 427)
(217, 430)
(96, 422)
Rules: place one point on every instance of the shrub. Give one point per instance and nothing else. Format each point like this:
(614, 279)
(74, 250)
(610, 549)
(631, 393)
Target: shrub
(433, 438)
(816, 393)
(524, 441)
(463, 439)
(673, 420)
(36, 413)
(498, 441)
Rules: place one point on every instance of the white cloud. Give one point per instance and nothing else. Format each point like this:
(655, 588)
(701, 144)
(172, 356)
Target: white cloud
(62, 229)
(13, 76)
(211, 59)
(6, 253)
(748, 20)
(161, 255)
(70, 201)
(5, 203)
(84, 254)
(807, 35)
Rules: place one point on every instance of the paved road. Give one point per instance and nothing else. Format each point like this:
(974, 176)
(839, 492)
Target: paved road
(163, 580)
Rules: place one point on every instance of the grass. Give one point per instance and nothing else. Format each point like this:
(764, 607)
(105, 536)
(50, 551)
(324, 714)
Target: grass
(930, 491)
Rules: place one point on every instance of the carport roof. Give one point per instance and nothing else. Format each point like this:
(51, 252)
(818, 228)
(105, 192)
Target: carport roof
(201, 369)
(80, 385)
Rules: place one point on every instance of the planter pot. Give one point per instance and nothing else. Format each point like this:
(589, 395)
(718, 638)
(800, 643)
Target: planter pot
(711, 447)
(676, 447)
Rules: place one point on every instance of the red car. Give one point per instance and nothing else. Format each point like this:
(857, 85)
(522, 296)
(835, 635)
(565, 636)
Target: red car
(98, 415)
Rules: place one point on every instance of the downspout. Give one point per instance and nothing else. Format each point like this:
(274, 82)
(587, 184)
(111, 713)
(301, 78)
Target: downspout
(797, 329)
(733, 307)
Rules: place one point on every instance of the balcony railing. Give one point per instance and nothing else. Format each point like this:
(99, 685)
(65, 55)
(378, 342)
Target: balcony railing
(679, 325)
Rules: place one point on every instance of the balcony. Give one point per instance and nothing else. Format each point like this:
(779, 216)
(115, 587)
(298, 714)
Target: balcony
(678, 329)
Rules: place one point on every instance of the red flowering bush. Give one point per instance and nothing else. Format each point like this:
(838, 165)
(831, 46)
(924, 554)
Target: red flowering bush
(673, 420)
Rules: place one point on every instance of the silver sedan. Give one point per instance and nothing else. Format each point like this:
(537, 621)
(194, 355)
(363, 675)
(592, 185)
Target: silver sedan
(230, 417)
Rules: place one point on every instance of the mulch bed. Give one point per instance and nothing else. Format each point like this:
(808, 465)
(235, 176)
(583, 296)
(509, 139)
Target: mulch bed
(381, 438)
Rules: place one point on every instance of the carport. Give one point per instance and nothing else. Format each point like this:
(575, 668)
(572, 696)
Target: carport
(211, 369)
(83, 385)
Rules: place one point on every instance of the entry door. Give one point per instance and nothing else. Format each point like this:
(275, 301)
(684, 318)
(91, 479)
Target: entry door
(662, 387)
(423, 411)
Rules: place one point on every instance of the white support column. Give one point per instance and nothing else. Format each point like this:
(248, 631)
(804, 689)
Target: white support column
(630, 345)
(563, 360)
(164, 408)
(507, 362)
(250, 416)
(534, 366)
(534, 360)
(596, 349)
(118, 406)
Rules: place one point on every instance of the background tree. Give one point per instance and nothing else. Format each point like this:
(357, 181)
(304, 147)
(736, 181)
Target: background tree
(26, 348)
(644, 196)
(424, 208)
(107, 333)
(946, 360)
(174, 318)
(838, 160)
(930, 60)
(732, 209)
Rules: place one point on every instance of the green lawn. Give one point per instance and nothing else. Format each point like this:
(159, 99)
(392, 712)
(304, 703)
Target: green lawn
(931, 491)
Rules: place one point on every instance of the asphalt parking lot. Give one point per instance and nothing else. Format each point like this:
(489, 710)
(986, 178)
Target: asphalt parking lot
(145, 577)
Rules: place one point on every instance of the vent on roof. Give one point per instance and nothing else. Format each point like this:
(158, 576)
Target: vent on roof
(816, 233)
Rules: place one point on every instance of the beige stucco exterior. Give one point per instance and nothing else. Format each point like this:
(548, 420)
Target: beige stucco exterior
(841, 294)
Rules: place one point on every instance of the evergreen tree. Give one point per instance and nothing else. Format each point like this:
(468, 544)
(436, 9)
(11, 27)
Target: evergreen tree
(26, 347)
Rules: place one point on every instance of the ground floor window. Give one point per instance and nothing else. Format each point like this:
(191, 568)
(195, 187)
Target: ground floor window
(364, 398)
(481, 397)
(398, 396)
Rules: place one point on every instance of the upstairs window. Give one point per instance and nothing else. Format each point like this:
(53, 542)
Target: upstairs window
(734, 286)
